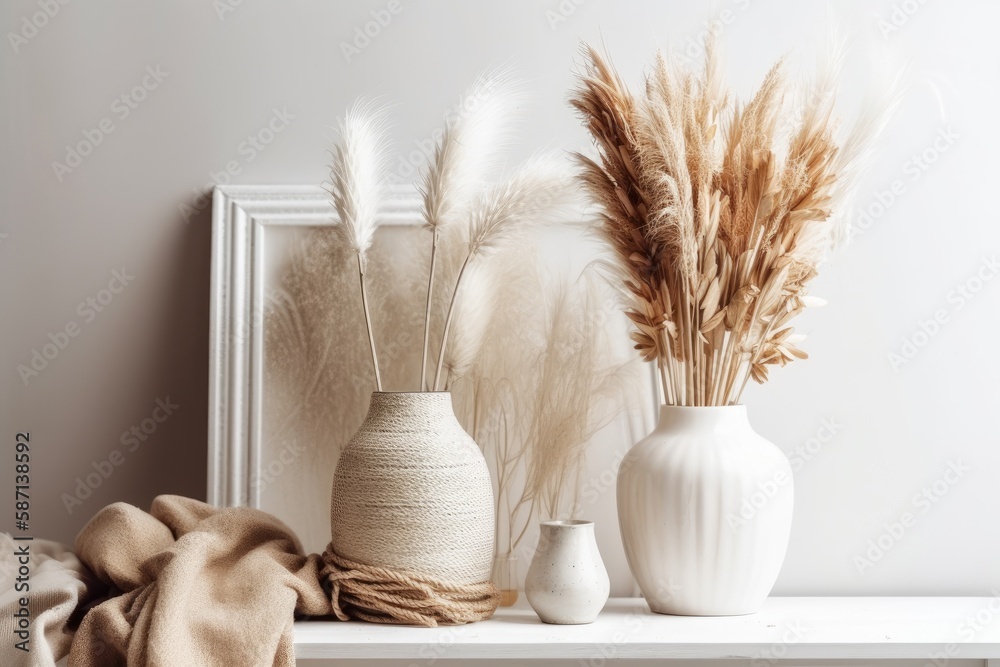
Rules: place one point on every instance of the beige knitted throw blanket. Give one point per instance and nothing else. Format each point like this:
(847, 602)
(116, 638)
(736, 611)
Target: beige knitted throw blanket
(199, 586)
(58, 590)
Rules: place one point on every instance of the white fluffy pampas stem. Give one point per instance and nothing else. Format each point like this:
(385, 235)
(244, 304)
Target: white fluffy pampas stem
(456, 201)
(356, 186)
(499, 219)
(463, 161)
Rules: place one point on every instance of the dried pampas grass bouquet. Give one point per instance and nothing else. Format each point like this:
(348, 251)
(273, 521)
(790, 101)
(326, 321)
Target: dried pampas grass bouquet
(718, 212)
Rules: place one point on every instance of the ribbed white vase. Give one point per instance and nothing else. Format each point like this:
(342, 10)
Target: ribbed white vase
(705, 510)
(412, 492)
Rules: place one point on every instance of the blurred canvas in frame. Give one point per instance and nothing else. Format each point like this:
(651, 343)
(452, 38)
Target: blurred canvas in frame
(290, 371)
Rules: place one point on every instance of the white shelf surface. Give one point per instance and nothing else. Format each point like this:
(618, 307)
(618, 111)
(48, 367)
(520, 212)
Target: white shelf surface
(915, 628)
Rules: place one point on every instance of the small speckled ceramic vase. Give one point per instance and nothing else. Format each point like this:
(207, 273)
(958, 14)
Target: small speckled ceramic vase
(567, 583)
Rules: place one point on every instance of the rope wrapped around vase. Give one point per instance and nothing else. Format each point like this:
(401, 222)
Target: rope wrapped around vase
(380, 595)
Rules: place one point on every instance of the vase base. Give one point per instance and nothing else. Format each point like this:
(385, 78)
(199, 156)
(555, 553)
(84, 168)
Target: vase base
(553, 622)
(679, 610)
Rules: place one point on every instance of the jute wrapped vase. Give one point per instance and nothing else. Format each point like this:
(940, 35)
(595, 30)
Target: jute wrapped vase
(412, 492)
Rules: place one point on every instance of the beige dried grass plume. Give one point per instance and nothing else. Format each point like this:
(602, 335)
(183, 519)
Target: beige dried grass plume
(502, 216)
(464, 159)
(548, 381)
(716, 222)
(356, 188)
(455, 196)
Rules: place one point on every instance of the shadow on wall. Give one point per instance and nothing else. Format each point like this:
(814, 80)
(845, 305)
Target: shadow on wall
(180, 464)
(164, 450)
(182, 362)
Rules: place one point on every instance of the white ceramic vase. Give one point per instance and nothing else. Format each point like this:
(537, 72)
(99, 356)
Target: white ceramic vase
(705, 510)
(567, 583)
(412, 492)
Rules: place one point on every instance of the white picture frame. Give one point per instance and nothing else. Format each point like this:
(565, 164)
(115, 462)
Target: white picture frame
(244, 217)
(240, 216)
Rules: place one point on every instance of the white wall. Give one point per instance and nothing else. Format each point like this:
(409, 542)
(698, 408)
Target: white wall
(899, 429)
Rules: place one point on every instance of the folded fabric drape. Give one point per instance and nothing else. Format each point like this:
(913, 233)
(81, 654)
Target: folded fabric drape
(201, 586)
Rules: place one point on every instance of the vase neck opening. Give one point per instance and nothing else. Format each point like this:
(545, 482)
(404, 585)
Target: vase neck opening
(416, 405)
(704, 418)
(411, 411)
(567, 527)
(568, 523)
